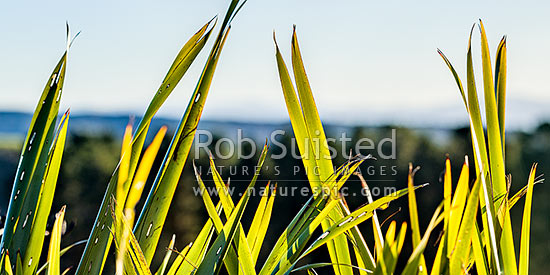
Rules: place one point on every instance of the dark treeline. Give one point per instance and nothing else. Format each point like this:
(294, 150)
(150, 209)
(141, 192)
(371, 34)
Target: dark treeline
(89, 161)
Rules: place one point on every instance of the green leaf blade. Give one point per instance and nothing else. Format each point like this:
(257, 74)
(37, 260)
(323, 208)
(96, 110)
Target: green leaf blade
(526, 225)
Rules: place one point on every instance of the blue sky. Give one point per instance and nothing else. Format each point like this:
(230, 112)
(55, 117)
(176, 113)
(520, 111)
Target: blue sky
(368, 62)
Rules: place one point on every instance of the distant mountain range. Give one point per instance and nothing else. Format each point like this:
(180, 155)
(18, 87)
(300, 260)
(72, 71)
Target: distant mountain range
(16, 125)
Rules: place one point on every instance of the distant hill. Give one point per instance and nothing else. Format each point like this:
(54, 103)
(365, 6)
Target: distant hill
(16, 124)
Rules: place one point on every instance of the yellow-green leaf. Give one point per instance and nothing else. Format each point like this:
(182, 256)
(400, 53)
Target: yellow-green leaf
(526, 225)
(55, 244)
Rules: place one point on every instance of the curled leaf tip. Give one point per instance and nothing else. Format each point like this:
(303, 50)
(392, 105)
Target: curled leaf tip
(275, 41)
(369, 156)
(423, 185)
(480, 25)
(412, 171)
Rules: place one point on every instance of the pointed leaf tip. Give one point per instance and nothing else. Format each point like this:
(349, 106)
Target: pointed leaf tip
(480, 25)
(215, 18)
